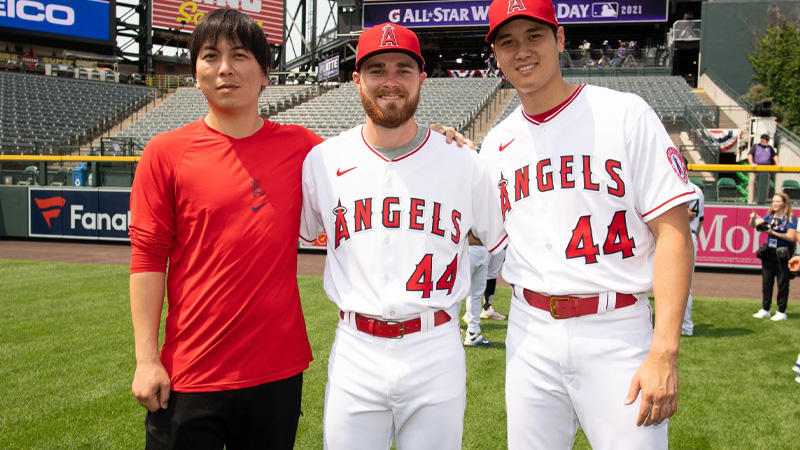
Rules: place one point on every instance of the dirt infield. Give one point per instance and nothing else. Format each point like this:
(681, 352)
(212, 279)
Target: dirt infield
(707, 283)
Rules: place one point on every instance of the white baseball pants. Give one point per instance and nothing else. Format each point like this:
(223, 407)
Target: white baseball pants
(478, 259)
(687, 327)
(410, 390)
(562, 373)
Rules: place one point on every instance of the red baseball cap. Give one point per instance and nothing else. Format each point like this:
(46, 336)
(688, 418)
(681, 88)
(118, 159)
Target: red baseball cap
(504, 11)
(388, 37)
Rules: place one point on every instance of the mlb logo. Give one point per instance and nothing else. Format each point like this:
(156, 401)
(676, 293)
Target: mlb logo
(605, 9)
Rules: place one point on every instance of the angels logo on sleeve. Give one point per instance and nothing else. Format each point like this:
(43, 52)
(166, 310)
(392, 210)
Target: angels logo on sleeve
(678, 166)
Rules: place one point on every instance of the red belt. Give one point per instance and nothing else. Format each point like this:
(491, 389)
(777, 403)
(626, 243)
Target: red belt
(390, 329)
(566, 306)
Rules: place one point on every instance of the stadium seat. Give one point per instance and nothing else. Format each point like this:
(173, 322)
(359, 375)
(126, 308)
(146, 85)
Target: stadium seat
(791, 188)
(28, 176)
(726, 190)
(61, 177)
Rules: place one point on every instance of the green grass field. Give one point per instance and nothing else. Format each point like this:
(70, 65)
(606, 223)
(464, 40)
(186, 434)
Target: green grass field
(66, 361)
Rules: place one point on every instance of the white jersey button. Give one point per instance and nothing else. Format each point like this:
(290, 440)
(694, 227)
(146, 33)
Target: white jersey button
(549, 246)
(386, 278)
(391, 313)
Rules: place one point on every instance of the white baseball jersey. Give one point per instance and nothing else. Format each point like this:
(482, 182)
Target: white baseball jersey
(397, 229)
(577, 189)
(697, 208)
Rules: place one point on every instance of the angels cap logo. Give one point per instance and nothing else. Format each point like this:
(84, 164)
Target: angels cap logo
(515, 5)
(50, 208)
(388, 38)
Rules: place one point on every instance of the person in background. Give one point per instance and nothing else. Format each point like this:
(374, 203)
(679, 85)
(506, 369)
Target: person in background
(780, 225)
(763, 154)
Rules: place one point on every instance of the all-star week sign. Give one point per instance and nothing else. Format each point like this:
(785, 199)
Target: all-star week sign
(419, 14)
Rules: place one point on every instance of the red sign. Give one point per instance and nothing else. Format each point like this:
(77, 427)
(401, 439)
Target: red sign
(726, 239)
(30, 60)
(172, 13)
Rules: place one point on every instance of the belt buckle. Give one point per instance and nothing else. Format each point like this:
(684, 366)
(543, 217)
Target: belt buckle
(402, 328)
(553, 301)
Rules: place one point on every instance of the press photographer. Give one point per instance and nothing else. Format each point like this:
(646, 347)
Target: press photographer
(780, 226)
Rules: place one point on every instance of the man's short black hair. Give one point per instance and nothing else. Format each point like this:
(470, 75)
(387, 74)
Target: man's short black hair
(236, 27)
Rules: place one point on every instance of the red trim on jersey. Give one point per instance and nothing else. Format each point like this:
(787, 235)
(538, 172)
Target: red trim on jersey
(498, 244)
(538, 119)
(673, 198)
(396, 159)
(306, 240)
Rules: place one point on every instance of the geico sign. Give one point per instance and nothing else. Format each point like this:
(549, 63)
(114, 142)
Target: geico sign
(34, 11)
(98, 221)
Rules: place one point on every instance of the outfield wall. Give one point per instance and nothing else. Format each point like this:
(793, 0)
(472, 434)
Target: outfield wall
(725, 239)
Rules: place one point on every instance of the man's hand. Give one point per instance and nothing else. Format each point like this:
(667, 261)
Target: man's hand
(151, 385)
(692, 215)
(794, 263)
(657, 380)
(450, 133)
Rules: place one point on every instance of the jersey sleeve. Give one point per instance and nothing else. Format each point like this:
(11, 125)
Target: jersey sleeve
(661, 180)
(310, 218)
(488, 222)
(153, 213)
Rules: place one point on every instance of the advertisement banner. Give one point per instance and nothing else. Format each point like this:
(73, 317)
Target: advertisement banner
(184, 15)
(726, 239)
(475, 13)
(79, 213)
(328, 68)
(83, 19)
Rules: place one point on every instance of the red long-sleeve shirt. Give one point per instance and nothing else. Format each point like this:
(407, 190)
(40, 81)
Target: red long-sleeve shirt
(225, 214)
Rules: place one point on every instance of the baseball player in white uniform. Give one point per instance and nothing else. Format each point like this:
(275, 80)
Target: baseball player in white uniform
(397, 204)
(695, 224)
(493, 272)
(484, 268)
(593, 195)
(478, 269)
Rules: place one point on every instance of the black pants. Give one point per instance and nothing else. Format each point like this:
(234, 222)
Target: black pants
(771, 267)
(260, 417)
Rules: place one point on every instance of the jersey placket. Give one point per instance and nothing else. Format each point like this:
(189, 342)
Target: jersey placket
(388, 245)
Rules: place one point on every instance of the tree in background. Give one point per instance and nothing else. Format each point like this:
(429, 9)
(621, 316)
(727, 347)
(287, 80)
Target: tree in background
(776, 62)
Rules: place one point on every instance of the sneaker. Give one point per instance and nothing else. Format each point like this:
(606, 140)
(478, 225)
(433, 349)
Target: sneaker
(686, 333)
(476, 340)
(797, 378)
(761, 314)
(796, 368)
(491, 314)
(778, 317)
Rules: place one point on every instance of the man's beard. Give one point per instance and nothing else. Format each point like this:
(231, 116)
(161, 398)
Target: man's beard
(393, 116)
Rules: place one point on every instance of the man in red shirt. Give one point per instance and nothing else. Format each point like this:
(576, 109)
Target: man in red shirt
(219, 202)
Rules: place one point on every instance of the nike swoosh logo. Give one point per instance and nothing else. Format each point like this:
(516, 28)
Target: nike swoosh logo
(503, 147)
(256, 208)
(340, 172)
